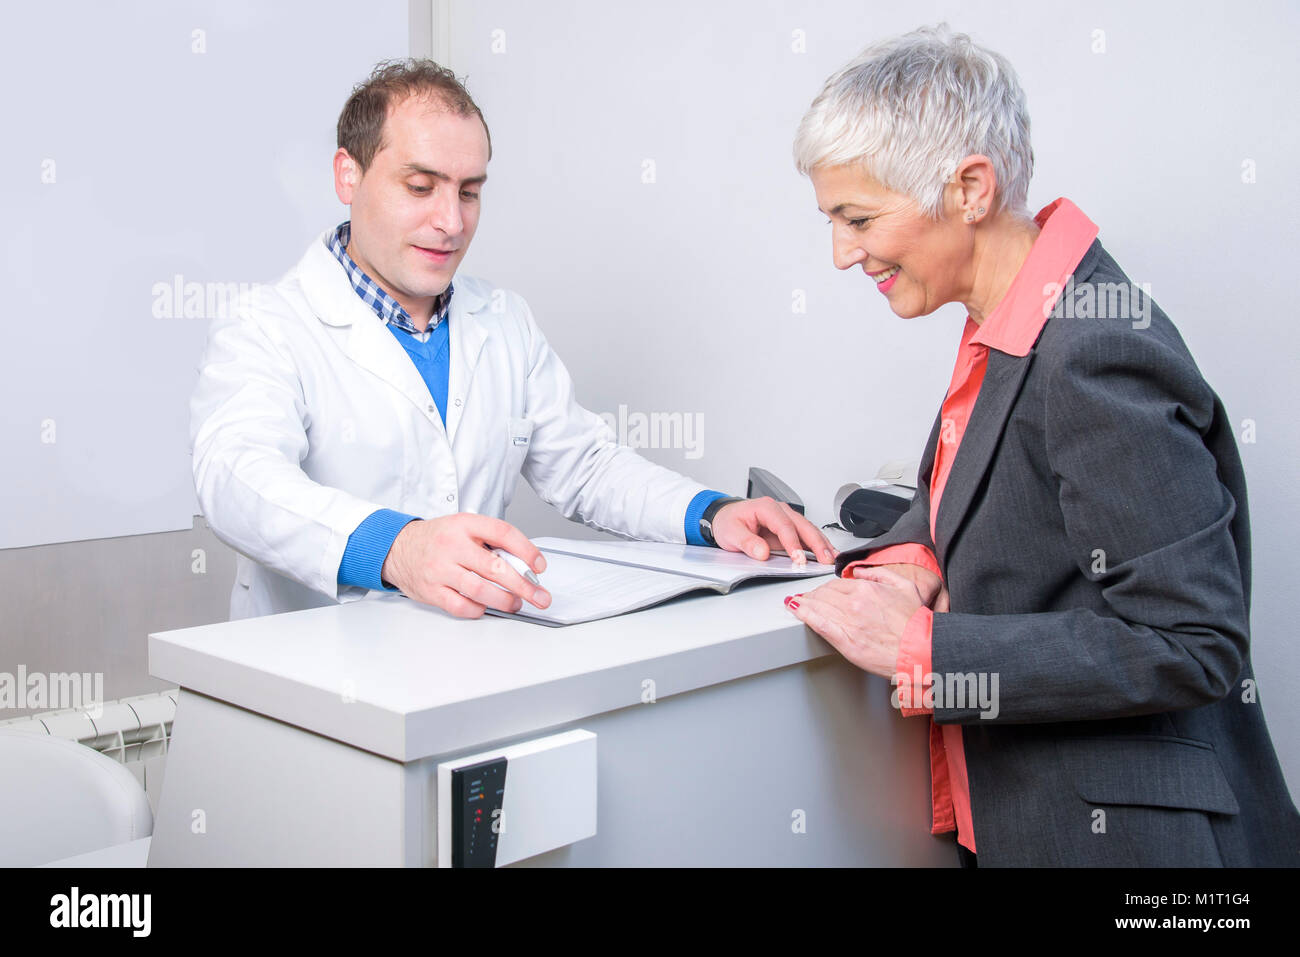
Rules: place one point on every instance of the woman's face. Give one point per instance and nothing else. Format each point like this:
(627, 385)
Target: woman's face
(919, 264)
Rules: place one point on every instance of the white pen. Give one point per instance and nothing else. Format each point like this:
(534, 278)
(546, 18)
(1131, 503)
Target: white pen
(518, 564)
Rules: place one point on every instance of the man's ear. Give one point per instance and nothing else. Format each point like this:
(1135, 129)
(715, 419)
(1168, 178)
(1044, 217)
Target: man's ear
(347, 175)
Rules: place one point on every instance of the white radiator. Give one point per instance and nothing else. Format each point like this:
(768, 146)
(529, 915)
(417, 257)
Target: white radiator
(134, 731)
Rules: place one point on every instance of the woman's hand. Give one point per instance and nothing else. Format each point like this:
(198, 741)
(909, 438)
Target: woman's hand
(933, 592)
(863, 617)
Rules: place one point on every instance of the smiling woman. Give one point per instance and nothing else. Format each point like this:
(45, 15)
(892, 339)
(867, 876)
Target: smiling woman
(917, 261)
(1091, 560)
(906, 149)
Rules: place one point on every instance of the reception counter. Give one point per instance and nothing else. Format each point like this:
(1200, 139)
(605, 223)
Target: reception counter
(725, 733)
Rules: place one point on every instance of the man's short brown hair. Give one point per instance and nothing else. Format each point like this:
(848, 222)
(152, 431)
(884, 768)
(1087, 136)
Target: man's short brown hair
(361, 124)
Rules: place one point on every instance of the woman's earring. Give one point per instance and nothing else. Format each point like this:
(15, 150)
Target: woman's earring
(970, 217)
(980, 211)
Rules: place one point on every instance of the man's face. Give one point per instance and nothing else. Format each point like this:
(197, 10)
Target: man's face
(414, 211)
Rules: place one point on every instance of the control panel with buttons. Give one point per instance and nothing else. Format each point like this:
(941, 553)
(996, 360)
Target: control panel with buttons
(551, 800)
(478, 795)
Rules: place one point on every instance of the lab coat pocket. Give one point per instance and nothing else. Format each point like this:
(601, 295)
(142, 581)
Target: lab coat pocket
(518, 438)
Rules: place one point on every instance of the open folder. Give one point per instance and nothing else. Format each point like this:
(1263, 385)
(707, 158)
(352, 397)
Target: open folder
(593, 580)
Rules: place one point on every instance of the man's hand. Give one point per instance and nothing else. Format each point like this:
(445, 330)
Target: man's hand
(446, 562)
(758, 525)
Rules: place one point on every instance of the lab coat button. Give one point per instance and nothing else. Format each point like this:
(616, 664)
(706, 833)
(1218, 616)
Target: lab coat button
(430, 409)
(458, 403)
(451, 497)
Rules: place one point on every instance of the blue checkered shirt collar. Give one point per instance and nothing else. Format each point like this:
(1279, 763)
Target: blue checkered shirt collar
(372, 294)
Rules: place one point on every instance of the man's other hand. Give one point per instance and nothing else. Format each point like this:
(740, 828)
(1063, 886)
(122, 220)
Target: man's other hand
(756, 526)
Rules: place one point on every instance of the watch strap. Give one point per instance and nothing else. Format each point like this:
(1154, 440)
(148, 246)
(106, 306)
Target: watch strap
(710, 513)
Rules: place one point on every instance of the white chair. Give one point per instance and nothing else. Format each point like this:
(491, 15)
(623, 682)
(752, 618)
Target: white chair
(59, 798)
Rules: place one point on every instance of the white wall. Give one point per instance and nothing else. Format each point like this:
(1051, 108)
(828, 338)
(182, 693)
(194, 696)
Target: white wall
(149, 140)
(676, 295)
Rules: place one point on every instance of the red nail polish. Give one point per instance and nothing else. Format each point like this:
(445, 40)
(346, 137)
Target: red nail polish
(792, 603)
(789, 598)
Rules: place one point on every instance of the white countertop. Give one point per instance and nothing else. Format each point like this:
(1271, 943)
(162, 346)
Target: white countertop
(408, 681)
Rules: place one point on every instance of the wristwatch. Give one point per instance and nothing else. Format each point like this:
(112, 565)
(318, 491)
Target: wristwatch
(710, 513)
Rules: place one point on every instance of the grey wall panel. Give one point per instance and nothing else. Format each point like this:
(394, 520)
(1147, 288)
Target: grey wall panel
(86, 608)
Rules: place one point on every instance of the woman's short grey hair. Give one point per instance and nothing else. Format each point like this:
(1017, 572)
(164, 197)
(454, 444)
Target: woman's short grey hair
(911, 108)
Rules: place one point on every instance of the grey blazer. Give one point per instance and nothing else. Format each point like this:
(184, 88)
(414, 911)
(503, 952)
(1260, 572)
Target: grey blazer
(1095, 542)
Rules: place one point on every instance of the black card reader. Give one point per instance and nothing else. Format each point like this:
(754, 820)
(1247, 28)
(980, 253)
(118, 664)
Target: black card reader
(477, 793)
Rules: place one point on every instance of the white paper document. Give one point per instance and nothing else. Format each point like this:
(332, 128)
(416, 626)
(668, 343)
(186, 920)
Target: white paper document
(592, 580)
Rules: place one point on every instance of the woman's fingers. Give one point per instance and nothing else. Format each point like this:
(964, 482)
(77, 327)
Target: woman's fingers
(889, 578)
(928, 584)
(828, 613)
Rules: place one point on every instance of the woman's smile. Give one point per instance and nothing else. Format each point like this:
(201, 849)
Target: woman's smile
(886, 278)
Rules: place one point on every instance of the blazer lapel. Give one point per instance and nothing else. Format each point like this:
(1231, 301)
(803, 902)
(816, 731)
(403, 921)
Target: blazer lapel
(1002, 380)
(1003, 377)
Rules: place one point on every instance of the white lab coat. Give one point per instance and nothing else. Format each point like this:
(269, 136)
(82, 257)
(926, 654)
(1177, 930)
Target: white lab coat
(308, 416)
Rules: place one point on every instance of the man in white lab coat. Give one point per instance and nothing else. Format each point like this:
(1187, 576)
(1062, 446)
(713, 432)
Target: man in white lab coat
(358, 427)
